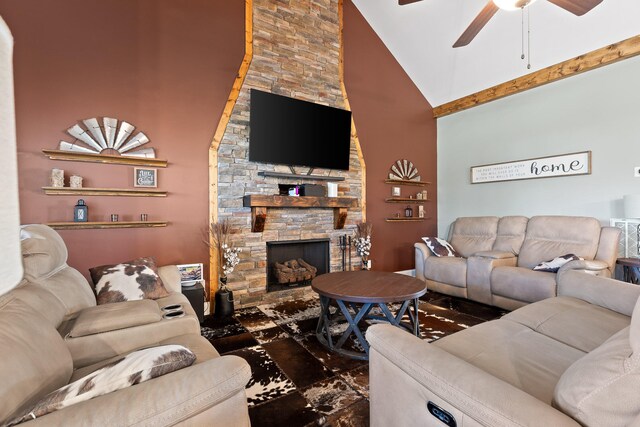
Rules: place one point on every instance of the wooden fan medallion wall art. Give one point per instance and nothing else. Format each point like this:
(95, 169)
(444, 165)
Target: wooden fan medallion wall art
(404, 170)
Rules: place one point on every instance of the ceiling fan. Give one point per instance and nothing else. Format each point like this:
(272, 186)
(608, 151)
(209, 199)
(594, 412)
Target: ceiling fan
(577, 7)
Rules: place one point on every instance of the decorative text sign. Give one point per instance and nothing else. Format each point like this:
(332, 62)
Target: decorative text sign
(143, 177)
(542, 167)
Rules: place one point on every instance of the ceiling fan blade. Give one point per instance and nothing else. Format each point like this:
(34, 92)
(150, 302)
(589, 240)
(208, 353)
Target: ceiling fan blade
(474, 28)
(577, 7)
(403, 2)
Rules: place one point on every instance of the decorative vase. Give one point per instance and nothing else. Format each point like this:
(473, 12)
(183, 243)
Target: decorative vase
(223, 300)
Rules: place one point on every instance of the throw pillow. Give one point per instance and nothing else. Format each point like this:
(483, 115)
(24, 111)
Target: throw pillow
(134, 368)
(554, 265)
(440, 247)
(128, 281)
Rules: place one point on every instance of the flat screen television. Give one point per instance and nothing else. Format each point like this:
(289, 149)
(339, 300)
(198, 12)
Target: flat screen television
(292, 132)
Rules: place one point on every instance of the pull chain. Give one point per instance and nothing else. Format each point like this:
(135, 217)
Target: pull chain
(529, 39)
(522, 32)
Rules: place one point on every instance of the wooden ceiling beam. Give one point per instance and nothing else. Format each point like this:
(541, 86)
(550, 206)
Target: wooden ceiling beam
(607, 55)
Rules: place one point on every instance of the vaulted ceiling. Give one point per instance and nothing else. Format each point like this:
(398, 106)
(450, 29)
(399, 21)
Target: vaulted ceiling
(420, 36)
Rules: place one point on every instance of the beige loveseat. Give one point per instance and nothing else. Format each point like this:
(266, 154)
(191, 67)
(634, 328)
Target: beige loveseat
(498, 256)
(570, 360)
(52, 333)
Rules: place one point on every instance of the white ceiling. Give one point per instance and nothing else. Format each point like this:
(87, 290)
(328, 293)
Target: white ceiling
(420, 36)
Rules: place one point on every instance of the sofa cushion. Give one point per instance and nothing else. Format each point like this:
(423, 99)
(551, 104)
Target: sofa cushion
(128, 281)
(523, 284)
(132, 369)
(551, 236)
(511, 232)
(114, 316)
(440, 247)
(552, 266)
(449, 270)
(571, 321)
(474, 234)
(601, 389)
(514, 353)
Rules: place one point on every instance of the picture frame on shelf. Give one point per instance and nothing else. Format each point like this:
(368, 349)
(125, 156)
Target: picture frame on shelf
(395, 191)
(145, 177)
(190, 274)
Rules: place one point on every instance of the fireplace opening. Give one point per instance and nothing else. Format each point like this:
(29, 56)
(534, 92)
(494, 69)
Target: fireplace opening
(294, 263)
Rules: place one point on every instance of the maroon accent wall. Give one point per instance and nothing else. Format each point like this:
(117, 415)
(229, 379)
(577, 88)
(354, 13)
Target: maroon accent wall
(394, 121)
(166, 67)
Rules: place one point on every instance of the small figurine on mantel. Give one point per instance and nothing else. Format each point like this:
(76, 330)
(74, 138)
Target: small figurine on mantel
(57, 178)
(75, 181)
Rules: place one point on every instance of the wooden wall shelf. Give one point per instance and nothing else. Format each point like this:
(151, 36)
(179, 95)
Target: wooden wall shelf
(105, 225)
(405, 182)
(404, 219)
(300, 176)
(104, 158)
(404, 200)
(88, 191)
(260, 202)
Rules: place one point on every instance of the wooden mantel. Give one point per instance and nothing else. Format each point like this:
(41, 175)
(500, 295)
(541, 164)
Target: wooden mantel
(607, 55)
(260, 202)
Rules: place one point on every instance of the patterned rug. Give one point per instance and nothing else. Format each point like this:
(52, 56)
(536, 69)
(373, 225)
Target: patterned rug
(295, 380)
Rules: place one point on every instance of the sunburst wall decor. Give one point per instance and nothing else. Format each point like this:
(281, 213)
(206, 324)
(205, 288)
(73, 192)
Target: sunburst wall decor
(403, 170)
(107, 139)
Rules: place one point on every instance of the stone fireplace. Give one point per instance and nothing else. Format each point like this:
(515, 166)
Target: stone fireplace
(296, 52)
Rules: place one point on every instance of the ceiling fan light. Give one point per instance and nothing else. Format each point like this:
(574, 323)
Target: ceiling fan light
(513, 4)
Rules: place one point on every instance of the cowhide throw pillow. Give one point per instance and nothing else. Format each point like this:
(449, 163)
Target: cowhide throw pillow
(554, 265)
(440, 247)
(132, 369)
(129, 281)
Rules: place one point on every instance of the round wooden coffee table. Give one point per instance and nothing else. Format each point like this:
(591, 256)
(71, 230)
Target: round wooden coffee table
(356, 293)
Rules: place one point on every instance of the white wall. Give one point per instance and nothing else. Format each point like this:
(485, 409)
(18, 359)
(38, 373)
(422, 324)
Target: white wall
(597, 111)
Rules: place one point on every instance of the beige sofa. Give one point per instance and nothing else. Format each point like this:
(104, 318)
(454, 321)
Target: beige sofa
(52, 333)
(498, 255)
(565, 361)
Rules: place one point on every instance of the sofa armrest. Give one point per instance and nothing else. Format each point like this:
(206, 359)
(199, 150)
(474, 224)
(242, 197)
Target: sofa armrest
(167, 400)
(608, 293)
(170, 277)
(114, 316)
(406, 373)
(593, 266)
(495, 254)
(422, 252)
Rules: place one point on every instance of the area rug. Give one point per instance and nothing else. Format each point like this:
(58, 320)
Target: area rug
(296, 381)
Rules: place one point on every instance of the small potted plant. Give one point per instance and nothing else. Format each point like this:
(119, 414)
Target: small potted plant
(363, 243)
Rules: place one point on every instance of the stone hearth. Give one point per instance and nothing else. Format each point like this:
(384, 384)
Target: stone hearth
(296, 53)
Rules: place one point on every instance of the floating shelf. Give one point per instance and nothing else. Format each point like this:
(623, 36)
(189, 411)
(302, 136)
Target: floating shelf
(404, 219)
(104, 225)
(404, 200)
(405, 182)
(260, 202)
(88, 191)
(104, 158)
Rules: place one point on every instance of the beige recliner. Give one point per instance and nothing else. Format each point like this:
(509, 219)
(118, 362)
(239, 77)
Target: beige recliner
(498, 255)
(91, 332)
(570, 360)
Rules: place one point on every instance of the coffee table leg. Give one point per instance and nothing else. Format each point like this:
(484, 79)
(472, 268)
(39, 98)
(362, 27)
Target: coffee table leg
(415, 318)
(353, 325)
(324, 325)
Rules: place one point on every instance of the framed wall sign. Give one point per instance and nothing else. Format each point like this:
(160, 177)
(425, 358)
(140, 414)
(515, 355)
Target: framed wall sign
(190, 274)
(541, 167)
(145, 177)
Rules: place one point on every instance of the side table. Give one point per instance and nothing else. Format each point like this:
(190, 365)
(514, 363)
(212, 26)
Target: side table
(195, 295)
(630, 269)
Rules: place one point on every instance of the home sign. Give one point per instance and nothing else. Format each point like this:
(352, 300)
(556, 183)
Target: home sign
(541, 167)
(145, 177)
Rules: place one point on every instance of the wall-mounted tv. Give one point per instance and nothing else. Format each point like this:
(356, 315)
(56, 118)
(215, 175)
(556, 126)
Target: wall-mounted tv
(292, 132)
